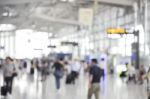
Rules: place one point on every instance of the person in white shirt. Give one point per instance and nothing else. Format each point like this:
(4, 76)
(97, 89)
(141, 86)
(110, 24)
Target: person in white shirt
(75, 69)
(131, 73)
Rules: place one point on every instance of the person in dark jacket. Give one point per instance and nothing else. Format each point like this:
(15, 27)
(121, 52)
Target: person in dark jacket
(58, 72)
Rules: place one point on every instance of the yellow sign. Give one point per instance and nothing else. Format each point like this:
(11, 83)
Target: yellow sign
(116, 31)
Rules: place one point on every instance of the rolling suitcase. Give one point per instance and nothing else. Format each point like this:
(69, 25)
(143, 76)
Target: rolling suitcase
(69, 79)
(32, 71)
(123, 74)
(3, 90)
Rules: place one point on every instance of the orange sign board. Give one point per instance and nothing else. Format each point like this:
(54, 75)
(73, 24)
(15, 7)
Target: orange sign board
(116, 31)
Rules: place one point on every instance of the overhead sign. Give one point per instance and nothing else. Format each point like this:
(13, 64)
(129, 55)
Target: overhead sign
(69, 43)
(51, 46)
(86, 16)
(116, 31)
(38, 49)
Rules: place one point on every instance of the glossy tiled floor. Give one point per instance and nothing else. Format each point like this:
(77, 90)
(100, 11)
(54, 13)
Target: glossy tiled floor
(112, 88)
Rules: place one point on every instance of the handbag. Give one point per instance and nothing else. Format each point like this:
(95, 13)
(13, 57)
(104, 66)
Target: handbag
(14, 74)
(59, 73)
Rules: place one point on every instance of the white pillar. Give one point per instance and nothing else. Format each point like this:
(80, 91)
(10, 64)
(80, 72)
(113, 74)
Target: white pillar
(146, 36)
(135, 7)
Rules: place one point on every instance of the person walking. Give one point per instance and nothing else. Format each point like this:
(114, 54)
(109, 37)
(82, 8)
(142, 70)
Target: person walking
(75, 70)
(142, 72)
(44, 69)
(131, 73)
(8, 72)
(147, 78)
(95, 75)
(58, 72)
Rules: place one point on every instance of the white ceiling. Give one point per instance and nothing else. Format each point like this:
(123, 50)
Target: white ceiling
(47, 15)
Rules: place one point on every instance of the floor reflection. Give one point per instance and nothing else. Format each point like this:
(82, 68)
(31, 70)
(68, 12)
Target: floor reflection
(26, 87)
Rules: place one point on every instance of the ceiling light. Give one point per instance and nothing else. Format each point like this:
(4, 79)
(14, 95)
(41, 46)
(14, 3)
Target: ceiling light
(7, 27)
(63, 0)
(71, 0)
(5, 14)
(9, 14)
(25, 31)
(50, 34)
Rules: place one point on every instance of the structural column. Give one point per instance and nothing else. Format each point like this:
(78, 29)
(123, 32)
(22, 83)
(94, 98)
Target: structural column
(146, 36)
(14, 44)
(0, 46)
(94, 31)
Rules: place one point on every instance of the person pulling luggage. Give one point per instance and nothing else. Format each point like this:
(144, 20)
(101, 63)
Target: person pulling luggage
(75, 69)
(8, 72)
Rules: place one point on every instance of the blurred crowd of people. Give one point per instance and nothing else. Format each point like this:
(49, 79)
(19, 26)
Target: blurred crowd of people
(133, 74)
(43, 67)
(70, 68)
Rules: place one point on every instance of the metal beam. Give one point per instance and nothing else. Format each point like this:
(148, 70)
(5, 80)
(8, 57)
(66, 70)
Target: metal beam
(11, 20)
(55, 20)
(118, 2)
(109, 2)
(15, 2)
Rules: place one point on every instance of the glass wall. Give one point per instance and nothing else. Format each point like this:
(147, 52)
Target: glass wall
(91, 40)
(7, 44)
(30, 44)
(97, 40)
